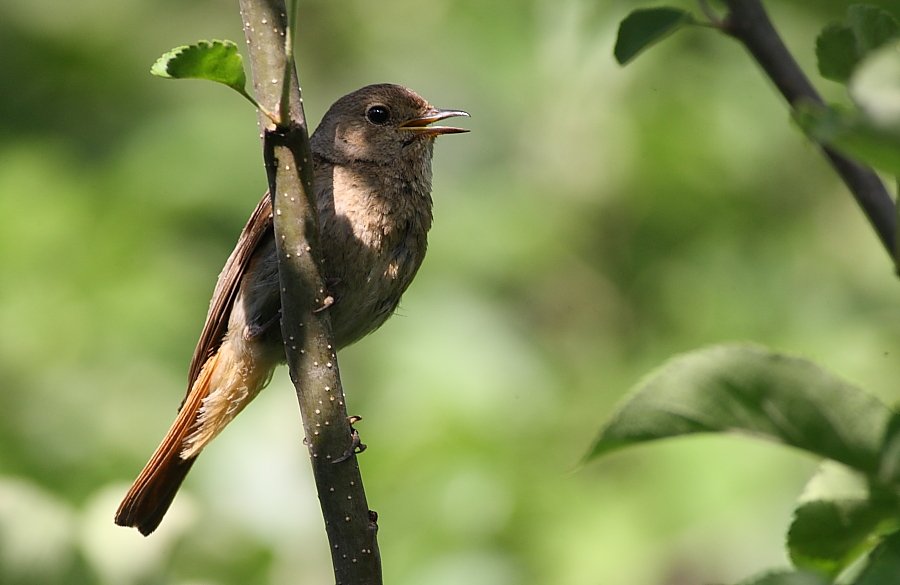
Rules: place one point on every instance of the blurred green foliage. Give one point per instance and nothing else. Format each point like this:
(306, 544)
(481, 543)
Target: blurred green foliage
(595, 221)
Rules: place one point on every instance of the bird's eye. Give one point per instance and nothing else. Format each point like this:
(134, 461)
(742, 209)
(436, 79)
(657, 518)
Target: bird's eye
(378, 115)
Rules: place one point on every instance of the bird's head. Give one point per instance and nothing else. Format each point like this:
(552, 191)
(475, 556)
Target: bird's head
(380, 124)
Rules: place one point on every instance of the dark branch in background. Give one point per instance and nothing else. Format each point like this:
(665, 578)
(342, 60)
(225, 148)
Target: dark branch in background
(748, 22)
(307, 331)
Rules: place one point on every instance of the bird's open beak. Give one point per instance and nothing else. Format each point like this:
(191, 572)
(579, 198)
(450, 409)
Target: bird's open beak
(421, 125)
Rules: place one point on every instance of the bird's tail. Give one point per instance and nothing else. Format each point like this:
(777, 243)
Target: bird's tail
(228, 381)
(152, 492)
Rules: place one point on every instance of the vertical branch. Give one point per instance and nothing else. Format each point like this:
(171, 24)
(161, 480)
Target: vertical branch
(748, 22)
(306, 329)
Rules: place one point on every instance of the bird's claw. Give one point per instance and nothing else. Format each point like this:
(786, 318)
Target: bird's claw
(326, 302)
(331, 298)
(356, 446)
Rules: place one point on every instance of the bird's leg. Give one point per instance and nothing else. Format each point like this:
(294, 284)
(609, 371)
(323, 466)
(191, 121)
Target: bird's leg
(254, 330)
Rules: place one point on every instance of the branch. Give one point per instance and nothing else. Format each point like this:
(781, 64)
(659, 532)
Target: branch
(748, 22)
(307, 329)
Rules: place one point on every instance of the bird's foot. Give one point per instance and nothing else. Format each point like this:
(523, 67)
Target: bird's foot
(332, 297)
(326, 302)
(356, 446)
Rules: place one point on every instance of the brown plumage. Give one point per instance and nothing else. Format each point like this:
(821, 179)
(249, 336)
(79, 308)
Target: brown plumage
(372, 162)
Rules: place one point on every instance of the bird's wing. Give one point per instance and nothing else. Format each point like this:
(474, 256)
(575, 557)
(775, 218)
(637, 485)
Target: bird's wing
(228, 285)
(153, 491)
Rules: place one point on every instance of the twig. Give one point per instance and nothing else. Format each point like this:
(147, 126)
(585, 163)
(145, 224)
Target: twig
(748, 22)
(307, 331)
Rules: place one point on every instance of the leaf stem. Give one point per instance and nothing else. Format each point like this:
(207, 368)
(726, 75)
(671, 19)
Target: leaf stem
(257, 105)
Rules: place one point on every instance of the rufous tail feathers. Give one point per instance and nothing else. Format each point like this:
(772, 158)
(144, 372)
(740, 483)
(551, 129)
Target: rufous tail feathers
(227, 382)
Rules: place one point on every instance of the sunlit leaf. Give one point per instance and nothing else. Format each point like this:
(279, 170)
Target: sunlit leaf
(747, 389)
(647, 26)
(874, 87)
(216, 61)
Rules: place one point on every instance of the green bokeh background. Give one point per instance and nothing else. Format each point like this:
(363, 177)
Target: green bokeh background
(595, 221)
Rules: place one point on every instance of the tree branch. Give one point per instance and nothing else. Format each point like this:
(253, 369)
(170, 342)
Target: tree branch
(748, 22)
(306, 329)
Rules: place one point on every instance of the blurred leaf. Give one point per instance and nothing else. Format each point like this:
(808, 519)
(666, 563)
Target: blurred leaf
(840, 47)
(884, 564)
(851, 133)
(787, 578)
(828, 535)
(836, 52)
(216, 61)
(889, 472)
(647, 26)
(874, 87)
(751, 390)
(872, 27)
(835, 481)
(841, 516)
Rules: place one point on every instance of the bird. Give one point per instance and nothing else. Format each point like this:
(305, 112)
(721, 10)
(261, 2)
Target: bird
(371, 157)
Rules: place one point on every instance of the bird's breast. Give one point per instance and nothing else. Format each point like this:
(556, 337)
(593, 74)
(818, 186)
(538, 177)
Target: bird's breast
(374, 231)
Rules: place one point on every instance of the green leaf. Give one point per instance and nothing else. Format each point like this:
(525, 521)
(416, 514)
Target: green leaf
(839, 520)
(829, 535)
(216, 61)
(883, 567)
(747, 389)
(840, 47)
(787, 578)
(647, 26)
(872, 27)
(836, 52)
(852, 133)
(889, 473)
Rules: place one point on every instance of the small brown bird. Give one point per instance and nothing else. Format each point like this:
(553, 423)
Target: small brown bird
(372, 162)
